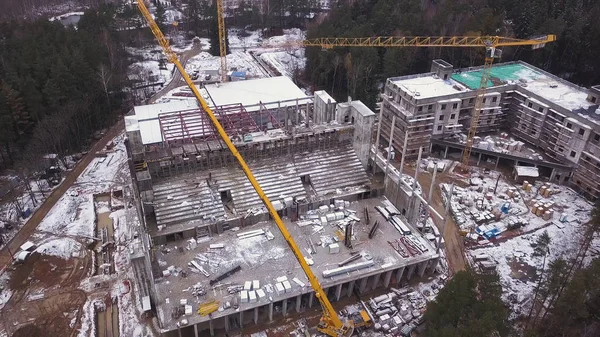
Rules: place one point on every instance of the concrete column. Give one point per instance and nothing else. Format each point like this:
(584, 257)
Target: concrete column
(226, 323)
(422, 268)
(271, 312)
(179, 331)
(376, 145)
(311, 299)
(479, 159)
(298, 302)
(363, 284)
(399, 273)
(256, 315)
(350, 288)
(446, 152)
(552, 174)
(389, 150)
(375, 281)
(338, 292)
(195, 330)
(387, 278)
(211, 327)
(497, 161)
(411, 271)
(434, 264)
(284, 307)
(241, 319)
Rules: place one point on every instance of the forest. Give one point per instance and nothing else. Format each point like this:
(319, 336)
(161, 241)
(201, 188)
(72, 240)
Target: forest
(359, 72)
(58, 85)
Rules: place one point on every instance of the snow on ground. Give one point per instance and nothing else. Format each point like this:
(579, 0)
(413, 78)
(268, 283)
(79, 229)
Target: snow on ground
(61, 247)
(129, 324)
(64, 16)
(287, 63)
(74, 213)
(518, 269)
(88, 326)
(151, 71)
(5, 293)
(237, 60)
(237, 41)
(173, 15)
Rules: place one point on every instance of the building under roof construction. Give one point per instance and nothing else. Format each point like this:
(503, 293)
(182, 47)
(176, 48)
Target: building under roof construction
(210, 242)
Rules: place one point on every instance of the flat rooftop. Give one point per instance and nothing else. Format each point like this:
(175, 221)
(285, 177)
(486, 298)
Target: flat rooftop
(549, 87)
(265, 260)
(530, 78)
(251, 92)
(428, 86)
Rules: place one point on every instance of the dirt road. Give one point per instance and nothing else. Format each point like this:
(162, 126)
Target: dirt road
(23, 235)
(177, 80)
(454, 244)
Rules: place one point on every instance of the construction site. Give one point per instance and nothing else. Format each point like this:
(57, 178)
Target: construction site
(528, 117)
(213, 239)
(234, 206)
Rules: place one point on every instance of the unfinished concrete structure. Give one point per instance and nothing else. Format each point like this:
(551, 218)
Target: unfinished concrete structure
(553, 116)
(310, 155)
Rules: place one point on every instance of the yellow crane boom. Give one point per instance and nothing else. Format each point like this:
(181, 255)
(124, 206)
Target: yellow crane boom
(423, 41)
(330, 322)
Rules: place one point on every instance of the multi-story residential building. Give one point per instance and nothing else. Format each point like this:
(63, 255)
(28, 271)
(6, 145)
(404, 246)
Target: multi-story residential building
(555, 117)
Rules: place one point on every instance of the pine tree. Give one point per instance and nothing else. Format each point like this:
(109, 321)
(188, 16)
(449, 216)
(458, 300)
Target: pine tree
(214, 34)
(160, 16)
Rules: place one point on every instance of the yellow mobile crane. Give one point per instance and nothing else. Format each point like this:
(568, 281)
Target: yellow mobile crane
(330, 323)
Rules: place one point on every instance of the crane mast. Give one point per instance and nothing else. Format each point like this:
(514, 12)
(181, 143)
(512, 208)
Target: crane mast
(330, 323)
(222, 40)
(485, 76)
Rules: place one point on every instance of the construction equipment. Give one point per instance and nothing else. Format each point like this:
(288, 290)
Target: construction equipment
(421, 41)
(209, 307)
(222, 40)
(330, 323)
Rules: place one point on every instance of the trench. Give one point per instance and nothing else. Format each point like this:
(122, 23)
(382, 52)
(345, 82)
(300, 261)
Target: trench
(107, 320)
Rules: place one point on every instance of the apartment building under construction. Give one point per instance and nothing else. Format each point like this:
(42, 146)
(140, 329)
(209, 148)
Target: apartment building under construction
(557, 120)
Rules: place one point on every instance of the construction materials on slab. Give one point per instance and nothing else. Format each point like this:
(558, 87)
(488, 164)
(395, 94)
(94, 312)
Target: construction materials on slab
(225, 274)
(348, 268)
(373, 229)
(208, 308)
(350, 259)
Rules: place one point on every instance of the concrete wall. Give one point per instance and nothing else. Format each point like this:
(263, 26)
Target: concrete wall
(324, 107)
(363, 135)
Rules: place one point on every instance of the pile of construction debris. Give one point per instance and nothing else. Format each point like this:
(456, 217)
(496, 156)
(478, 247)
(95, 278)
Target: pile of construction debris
(401, 310)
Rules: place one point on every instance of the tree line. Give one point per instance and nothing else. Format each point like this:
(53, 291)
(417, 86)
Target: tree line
(58, 85)
(359, 71)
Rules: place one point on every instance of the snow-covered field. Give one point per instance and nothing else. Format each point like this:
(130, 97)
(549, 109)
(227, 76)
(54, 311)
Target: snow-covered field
(69, 226)
(287, 63)
(516, 264)
(237, 60)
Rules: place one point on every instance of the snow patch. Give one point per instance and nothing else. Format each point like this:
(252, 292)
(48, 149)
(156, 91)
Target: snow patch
(62, 247)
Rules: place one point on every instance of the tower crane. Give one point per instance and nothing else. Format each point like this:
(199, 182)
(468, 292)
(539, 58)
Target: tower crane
(490, 43)
(330, 323)
(222, 40)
